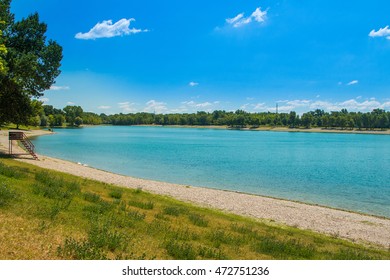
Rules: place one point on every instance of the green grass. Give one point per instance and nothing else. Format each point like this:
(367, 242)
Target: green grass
(51, 215)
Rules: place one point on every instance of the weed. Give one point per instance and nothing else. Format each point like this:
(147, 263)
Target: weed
(157, 227)
(91, 197)
(51, 210)
(180, 250)
(209, 253)
(172, 211)
(138, 191)
(83, 250)
(350, 254)
(220, 236)
(243, 229)
(198, 220)
(6, 195)
(54, 187)
(42, 226)
(136, 216)
(143, 205)
(161, 216)
(121, 221)
(182, 234)
(284, 249)
(100, 207)
(10, 172)
(116, 194)
(102, 237)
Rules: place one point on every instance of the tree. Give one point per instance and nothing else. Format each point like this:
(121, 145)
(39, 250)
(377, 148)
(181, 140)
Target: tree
(306, 120)
(292, 119)
(72, 112)
(78, 121)
(3, 52)
(32, 63)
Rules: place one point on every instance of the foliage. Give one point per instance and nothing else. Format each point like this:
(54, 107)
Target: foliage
(32, 65)
(377, 119)
(3, 52)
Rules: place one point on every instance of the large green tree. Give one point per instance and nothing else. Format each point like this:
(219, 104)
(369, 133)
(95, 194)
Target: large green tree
(32, 61)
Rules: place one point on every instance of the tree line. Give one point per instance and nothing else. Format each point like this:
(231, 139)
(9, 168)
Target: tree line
(75, 116)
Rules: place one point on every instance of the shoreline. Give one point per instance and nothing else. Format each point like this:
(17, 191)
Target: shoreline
(357, 227)
(273, 129)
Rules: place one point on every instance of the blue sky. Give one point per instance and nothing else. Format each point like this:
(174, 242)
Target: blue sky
(187, 56)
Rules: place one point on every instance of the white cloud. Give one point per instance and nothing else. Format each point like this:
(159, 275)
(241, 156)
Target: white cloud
(193, 104)
(354, 82)
(193, 84)
(239, 20)
(259, 15)
(356, 104)
(382, 32)
(43, 99)
(106, 29)
(103, 107)
(127, 107)
(70, 103)
(235, 19)
(59, 88)
(155, 106)
(386, 105)
(260, 106)
(367, 105)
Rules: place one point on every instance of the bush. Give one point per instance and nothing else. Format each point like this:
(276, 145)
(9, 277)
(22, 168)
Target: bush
(117, 194)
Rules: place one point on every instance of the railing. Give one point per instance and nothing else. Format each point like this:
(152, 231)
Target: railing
(28, 143)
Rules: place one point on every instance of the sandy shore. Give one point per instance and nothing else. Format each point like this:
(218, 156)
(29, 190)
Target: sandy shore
(352, 226)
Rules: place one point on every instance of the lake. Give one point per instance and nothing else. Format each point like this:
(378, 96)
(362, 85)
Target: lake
(348, 171)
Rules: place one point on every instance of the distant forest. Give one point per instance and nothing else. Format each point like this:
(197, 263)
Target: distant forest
(75, 116)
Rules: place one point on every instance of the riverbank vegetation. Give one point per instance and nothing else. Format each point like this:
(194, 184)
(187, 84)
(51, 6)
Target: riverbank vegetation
(51, 215)
(378, 119)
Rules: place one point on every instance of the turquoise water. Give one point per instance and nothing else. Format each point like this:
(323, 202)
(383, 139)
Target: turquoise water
(348, 171)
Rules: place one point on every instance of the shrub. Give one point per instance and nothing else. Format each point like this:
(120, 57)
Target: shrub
(117, 194)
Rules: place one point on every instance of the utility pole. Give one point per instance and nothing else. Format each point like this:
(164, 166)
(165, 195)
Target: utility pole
(277, 107)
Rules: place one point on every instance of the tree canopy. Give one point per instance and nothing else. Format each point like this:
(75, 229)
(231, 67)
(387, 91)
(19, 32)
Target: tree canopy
(3, 52)
(32, 63)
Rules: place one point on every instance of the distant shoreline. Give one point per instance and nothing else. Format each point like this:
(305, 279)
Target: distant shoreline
(262, 128)
(286, 129)
(353, 226)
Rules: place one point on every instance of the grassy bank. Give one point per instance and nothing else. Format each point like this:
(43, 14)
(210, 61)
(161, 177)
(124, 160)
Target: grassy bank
(51, 215)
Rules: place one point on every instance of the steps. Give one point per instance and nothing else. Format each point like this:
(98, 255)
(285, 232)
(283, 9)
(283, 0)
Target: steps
(20, 136)
(29, 147)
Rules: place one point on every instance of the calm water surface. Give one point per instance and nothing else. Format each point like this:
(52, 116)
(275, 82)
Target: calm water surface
(348, 171)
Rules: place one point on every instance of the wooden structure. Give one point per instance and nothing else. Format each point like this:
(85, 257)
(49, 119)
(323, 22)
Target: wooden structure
(20, 136)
